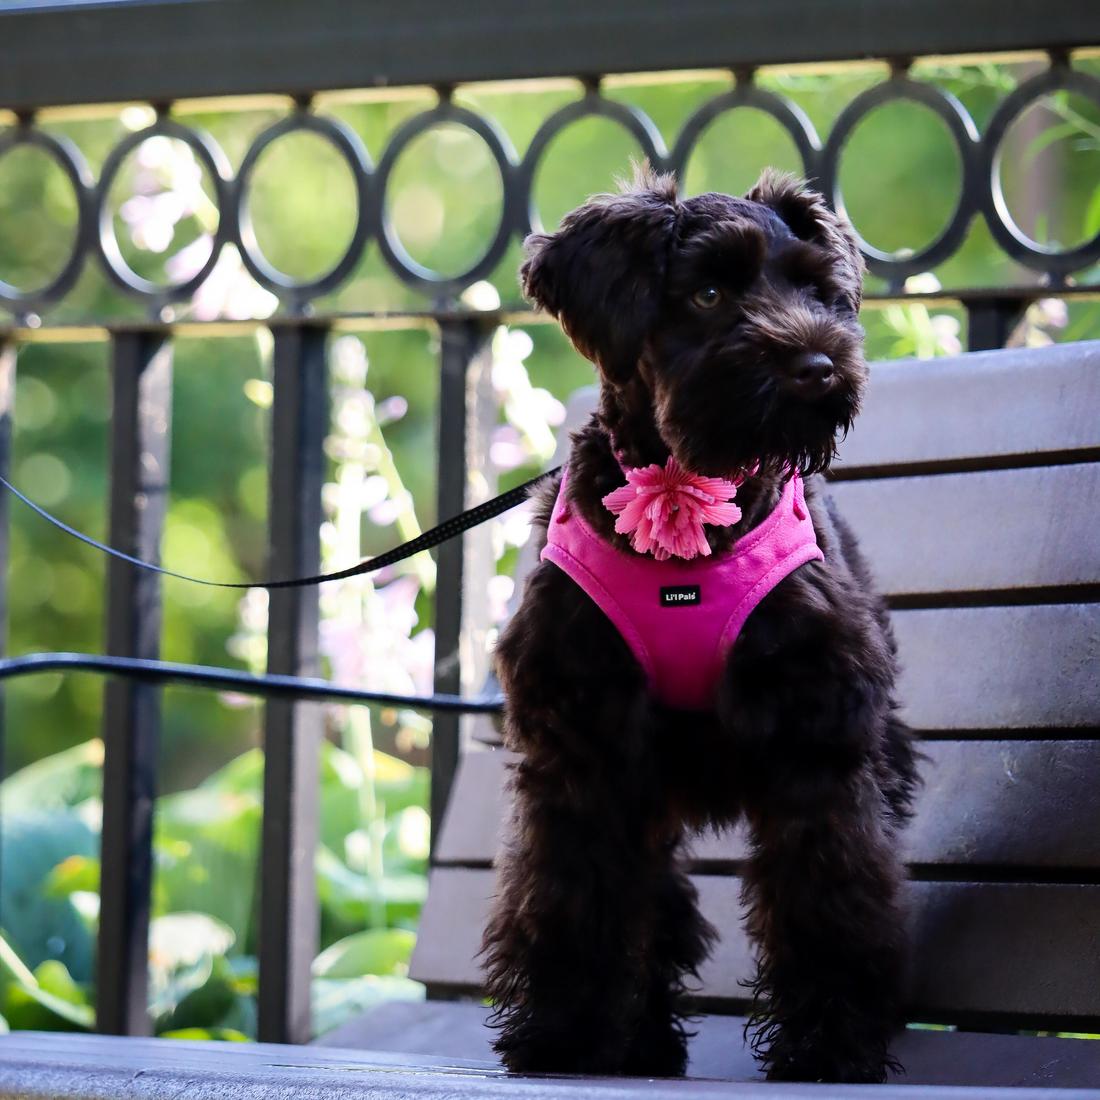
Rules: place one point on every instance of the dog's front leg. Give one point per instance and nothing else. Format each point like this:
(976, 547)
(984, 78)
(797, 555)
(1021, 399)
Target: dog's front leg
(584, 877)
(807, 703)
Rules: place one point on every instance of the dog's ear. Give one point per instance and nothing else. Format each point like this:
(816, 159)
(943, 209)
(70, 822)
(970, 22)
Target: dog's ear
(809, 218)
(601, 274)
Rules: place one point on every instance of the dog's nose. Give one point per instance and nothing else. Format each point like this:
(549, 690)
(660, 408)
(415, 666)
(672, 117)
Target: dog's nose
(810, 373)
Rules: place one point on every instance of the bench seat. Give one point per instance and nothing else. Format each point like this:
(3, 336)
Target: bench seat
(973, 484)
(988, 1063)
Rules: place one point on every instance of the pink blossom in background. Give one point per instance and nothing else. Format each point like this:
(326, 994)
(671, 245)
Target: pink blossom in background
(373, 492)
(398, 601)
(515, 525)
(552, 410)
(1053, 312)
(379, 651)
(341, 643)
(152, 219)
(228, 291)
(390, 409)
(499, 590)
(506, 449)
(946, 330)
(385, 512)
(188, 261)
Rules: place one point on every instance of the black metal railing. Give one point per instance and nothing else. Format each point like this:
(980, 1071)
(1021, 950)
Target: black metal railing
(978, 155)
(161, 52)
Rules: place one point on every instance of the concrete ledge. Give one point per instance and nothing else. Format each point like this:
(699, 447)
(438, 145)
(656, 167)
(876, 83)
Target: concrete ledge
(37, 1066)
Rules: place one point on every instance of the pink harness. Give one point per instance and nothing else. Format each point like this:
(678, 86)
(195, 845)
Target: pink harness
(680, 618)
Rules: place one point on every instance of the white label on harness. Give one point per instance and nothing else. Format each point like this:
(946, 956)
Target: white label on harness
(681, 595)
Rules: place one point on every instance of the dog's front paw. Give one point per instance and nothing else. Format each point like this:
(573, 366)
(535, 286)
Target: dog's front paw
(537, 1048)
(658, 1049)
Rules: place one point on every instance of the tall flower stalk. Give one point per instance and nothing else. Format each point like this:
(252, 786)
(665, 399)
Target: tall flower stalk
(368, 621)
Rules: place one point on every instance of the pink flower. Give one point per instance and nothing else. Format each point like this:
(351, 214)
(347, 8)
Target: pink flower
(663, 510)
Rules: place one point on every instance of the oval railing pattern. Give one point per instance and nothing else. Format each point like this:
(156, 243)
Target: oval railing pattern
(979, 156)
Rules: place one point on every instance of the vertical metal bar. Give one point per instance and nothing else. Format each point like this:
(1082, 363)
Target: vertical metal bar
(462, 342)
(292, 731)
(991, 321)
(141, 369)
(7, 412)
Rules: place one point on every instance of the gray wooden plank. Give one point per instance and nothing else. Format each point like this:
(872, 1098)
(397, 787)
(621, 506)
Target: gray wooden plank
(474, 820)
(992, 804)
(445, 1029)
(979, 948)
(1000, 667)
(1003, 529)
(1016, 402)
(1004, 804)
(102, 1067)
(458, 1029)
(981, 405)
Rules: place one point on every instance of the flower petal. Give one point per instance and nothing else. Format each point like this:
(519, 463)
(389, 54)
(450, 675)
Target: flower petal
(664, 509)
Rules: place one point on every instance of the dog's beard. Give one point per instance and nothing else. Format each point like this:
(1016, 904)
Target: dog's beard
(728, 413)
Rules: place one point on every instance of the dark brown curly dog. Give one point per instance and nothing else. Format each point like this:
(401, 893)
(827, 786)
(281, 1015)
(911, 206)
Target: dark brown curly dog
(725, 334)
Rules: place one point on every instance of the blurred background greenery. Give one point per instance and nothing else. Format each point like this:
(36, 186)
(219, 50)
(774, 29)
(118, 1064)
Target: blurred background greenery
(900, 178)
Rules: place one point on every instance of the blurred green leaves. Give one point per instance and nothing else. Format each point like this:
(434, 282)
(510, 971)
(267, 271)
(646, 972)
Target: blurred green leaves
(45, 999)
(202, 965)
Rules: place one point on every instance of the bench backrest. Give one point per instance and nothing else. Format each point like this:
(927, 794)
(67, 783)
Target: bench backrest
(974, 486)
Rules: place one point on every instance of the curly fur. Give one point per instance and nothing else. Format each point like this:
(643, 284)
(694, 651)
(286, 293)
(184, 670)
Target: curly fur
(595, 935)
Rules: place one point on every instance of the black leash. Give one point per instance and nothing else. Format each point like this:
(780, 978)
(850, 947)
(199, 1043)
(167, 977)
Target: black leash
(443, 532)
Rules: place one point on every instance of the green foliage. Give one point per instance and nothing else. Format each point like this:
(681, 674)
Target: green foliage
(376, 951)
(223, 1034)
(65, 779)
(202, 966)
(39, 924)
(47, 999)
(207, 842)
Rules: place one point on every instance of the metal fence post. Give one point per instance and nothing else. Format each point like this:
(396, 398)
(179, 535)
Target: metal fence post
(141, 368)
(292, 731)
(464, 359)
(991, 321)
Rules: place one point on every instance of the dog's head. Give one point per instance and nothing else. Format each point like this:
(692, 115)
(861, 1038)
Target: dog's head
(736, 318)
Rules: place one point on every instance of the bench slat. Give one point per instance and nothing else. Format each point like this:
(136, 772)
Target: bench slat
(996, 805)
(978, 409)
(1000, 667)
(978, 532)
(983, 951)
(717, 1050)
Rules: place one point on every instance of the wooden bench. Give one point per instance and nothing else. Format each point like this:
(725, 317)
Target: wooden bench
(999, 625)
(996, 613)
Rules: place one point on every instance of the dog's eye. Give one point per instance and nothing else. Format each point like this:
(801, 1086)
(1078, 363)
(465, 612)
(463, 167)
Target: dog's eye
(707, 298)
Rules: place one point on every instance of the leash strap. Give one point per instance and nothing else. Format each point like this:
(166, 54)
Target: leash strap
(443, 532)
